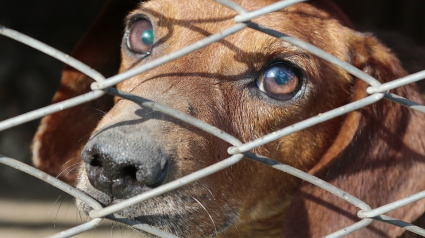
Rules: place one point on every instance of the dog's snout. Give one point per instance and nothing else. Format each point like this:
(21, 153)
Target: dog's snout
(123, 169)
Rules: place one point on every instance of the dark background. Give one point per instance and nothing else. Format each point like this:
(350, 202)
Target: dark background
(29, 78)
(406, 17)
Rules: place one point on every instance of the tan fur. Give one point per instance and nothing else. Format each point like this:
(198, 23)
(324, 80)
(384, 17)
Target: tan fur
(374, 153)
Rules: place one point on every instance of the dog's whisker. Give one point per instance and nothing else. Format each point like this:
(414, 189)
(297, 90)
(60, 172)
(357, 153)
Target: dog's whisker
(70, 171)
(71, 167)
(51, 208)
(93, 230)
(66, 211)
(96, 109)
(69, 161)
(79, 215)
(95, 114)
(252, 227)
(57, 212)
(84, 137)
(212, 220)
(112, 230)
(209, 190)
(237, 229)
(214, 201)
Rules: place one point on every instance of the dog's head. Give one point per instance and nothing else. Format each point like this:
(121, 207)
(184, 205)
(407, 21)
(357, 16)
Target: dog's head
(250, 84)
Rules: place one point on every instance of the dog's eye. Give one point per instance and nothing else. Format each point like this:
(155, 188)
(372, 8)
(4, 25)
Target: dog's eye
(140, 37)
(279, 81)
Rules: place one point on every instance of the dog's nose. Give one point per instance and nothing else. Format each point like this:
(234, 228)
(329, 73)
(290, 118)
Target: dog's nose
(123, 166)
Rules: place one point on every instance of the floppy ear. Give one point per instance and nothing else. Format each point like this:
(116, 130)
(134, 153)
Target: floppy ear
(330, 7)
(61, 136)
(378, 157)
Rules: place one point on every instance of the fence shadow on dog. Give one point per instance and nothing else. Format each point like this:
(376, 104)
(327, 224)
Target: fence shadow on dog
(238, 151)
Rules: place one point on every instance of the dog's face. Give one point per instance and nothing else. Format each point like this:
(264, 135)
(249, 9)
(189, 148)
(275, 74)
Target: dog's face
(249, 84)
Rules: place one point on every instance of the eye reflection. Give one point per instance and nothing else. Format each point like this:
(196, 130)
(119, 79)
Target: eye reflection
(279, 81)
(140, 37)
(148, 37)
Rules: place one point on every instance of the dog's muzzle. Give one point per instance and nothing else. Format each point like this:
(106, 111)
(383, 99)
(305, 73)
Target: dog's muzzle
(122, 162)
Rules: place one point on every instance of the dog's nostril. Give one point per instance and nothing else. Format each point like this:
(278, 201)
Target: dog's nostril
(130, 172)
(96, 161)
(159, 180)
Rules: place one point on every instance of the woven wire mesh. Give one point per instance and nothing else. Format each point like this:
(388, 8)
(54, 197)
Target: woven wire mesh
(239, 150)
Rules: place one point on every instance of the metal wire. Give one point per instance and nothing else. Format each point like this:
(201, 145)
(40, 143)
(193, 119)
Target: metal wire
(51, 180)
(52, 52)
(175, 55)
(243, 17)
(176, 114)
(306, 123)
(317, 52)
(397, 83)
(403, 101)
(36, 114)
(235, 7)
(78, 229)
(238, 149)
(348, 230)
(402, 224)
(308, 178)
(391, 206)
(139, 226)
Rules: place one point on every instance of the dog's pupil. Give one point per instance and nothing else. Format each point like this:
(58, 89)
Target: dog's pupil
(148, 37)
(280, 75)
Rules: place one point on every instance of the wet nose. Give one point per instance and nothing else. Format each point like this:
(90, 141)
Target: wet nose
(123, 165)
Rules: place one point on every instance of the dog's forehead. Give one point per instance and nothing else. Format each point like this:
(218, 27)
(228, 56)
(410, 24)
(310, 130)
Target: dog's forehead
(198, 19)
(178, 24)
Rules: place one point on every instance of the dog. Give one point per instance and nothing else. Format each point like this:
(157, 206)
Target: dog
(249, 84)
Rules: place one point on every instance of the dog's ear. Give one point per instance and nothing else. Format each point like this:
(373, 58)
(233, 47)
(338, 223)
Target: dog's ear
(61, 136)
(330, 7)
(377, 156)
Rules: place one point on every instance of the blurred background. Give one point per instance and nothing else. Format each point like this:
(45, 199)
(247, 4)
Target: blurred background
(28, 79)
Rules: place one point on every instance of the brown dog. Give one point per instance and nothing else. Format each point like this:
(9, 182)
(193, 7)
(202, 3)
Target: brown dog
(249, 85)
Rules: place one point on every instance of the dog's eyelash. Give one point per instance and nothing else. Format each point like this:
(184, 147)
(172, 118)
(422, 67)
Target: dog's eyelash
(133, 18)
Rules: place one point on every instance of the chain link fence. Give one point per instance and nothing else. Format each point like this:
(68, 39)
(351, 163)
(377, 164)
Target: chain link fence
(239, 150)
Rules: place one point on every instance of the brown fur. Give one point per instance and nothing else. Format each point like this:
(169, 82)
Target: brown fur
(375, 153)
